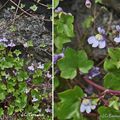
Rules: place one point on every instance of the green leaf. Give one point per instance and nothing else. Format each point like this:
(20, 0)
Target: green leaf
(72, 61)
(10, 110)
(68, 30)
(38, 73)
(69, 105)
(2, 95)
(56, 82)
(38, 80)
(107, 113)
(34, 7)
(17, 52)
(88, 21)
(22, 75)
(114, 102)
(112, 66)
(21, 101)
(1, 111)
(109, 65)
(111, 80)
(64, 30)
(83, 63)
(114, 53)
(22, 5)
(98, 1)
(2, 47)
(22, 87)
(2, 86)
(60, 40)
(56, 3)
(30, 43)
(47, 66)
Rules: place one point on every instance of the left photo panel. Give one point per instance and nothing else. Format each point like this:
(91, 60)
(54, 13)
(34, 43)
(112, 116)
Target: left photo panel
(25, 60)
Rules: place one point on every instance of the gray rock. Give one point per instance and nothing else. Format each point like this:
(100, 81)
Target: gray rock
(25, 29)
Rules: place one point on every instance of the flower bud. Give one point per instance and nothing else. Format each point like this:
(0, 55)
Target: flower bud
(88, 3)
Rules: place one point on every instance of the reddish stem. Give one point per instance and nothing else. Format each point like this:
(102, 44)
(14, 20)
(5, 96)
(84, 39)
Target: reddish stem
(101, 88)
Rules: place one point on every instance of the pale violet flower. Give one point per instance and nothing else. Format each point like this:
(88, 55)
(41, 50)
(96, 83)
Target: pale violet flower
(87, 106)
(34, 99)
(88, 3)
(58, 10)
(3, 40)
(118, 28)
(117, 38)
(48, 110)
(40, 66)
(48, 75)
(31, 67)
(95, 71)
(11, 44)
(57, 57)
(98, 40)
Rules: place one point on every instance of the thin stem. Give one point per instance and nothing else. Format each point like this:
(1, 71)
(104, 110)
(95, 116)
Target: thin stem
(41, 4)
(26, 11)
(4, 4)
(101, 88)
(16, 10)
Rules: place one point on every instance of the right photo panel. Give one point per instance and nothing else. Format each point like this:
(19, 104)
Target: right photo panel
(86, 59)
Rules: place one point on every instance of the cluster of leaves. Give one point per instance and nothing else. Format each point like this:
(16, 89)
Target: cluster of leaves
(72, 62)
(63, 27)
(112, 66)
(76, 63)
(21, 92)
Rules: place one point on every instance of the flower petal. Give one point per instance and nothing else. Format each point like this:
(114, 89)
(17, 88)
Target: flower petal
(117, 39)
(101, 30)
(118, 28)
(88, 109)
(95, 44)
(91, 39)
(82, 108)
(102, 44)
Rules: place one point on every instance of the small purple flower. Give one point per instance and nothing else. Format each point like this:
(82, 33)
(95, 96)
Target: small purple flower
(48, 75)
(31, 67)
(94, 72)
(11, 44)
(58, 56)
(98, 40)
(58, 10)
(118, 28)
(27, 90)
(117, 38)
(40, 65)
(34, 99)
(48, 110)
(87, 106)
(88, 3)
(101, 30)
(3, 40)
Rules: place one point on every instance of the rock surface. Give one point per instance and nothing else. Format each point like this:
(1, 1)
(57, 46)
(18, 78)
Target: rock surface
(24, 29)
